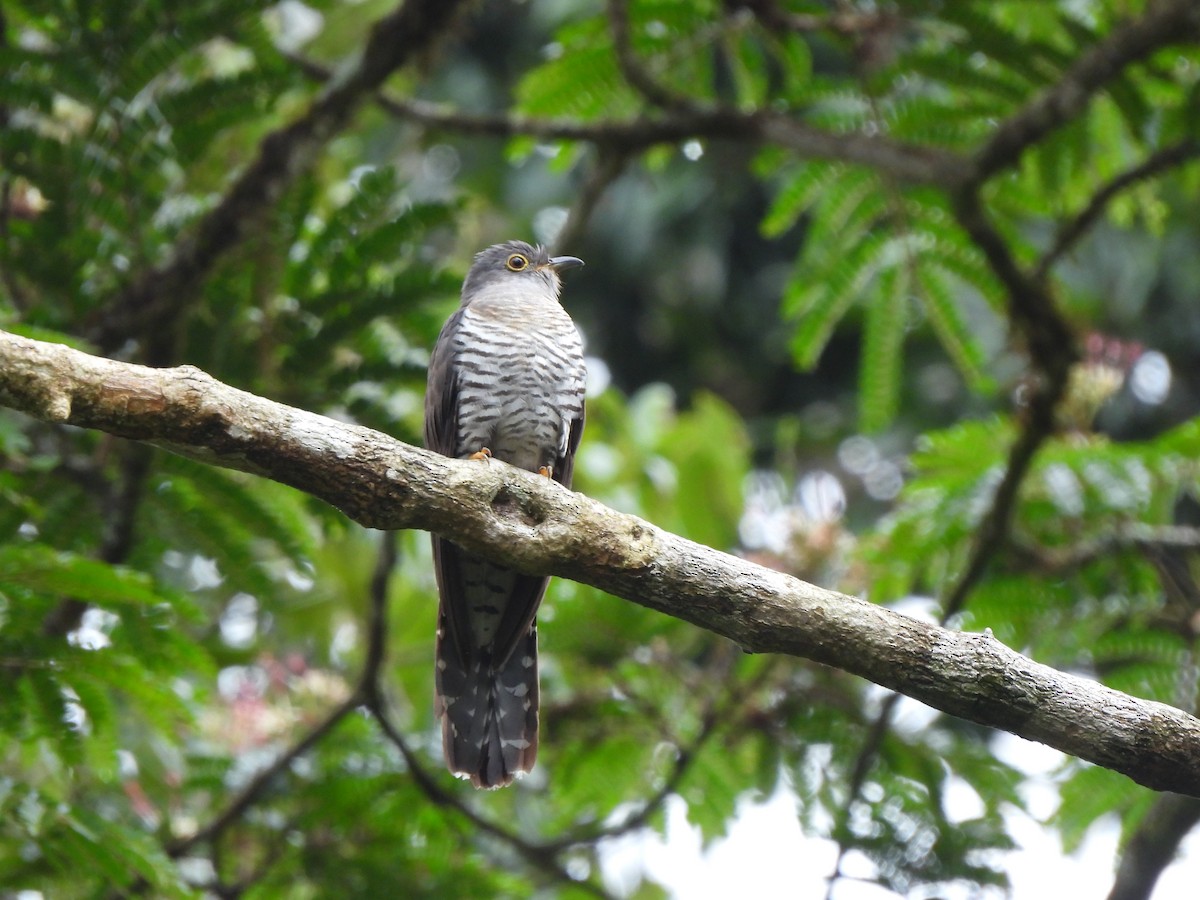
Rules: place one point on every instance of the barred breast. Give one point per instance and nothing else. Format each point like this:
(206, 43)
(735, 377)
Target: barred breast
(521, 383)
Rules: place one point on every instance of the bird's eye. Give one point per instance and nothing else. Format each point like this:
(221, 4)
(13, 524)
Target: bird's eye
(516, 262)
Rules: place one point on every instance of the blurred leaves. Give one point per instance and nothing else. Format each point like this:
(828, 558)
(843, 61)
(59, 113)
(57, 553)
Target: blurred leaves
(167, 633)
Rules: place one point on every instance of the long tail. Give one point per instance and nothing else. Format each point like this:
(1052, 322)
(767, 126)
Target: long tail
(489, 714)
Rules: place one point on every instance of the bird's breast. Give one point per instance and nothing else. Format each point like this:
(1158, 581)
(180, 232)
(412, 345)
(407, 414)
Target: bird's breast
(520, 383)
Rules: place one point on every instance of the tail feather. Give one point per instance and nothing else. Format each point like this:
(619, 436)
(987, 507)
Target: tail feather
(488, 710)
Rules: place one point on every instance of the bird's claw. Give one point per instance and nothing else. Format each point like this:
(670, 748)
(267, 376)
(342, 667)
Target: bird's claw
(484, 453)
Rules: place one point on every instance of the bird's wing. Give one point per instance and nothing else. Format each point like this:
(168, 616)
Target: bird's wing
(564, 466)
(441, 392)
(441, 436)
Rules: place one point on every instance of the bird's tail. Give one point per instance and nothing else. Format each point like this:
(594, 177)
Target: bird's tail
(489, 712)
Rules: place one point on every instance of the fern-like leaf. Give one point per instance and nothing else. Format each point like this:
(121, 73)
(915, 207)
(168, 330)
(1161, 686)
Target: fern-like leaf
(883, 340)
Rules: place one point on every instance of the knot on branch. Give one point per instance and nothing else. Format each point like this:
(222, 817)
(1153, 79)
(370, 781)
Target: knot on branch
(56, 404)
(517, 507)
(30, 382)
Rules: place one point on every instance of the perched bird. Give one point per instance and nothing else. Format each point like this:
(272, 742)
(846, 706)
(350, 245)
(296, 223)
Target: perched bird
(506, 380)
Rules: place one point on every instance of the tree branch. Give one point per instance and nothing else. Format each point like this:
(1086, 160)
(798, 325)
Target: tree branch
(1167, 22)
(250, 794)
(1153, 846)
(536, 526)
(282, 155)
(120, 499)
(631, 66)
(1164, 23)
(844, 21)
(1167, 158)
(907, 163)
(1052, 350)
(606, 170)
(1137, 535)
(545, 859)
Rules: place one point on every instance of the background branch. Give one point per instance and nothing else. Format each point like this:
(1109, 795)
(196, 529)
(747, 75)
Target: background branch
(282, 155)
(1156, 164)
(908, 163)
(1144, 537)
(371, 694)
(1164, 23)
(232, 812)
(631, 66)
(1153, 846)
(1052, 352)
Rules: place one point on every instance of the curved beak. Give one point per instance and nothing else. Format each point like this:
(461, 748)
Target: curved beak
(565, 262)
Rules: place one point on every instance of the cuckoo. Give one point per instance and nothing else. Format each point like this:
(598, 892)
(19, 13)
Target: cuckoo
(506, 380)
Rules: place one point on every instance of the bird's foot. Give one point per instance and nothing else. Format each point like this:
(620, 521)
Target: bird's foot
(547, 471)
(484, 453)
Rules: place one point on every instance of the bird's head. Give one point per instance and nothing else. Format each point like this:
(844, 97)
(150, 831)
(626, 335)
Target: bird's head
(515, 264)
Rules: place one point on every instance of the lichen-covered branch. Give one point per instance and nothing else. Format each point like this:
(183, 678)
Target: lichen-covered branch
(535, 525)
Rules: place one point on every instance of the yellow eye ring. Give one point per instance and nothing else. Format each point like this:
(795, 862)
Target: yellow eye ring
(516, 263)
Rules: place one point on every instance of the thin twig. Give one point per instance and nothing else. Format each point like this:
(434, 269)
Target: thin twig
(273, 853)
(251, 793)
(376, 635)
(1153, 844)
(1134, 536)
(631, 65)
(120, 498)
(377, 592)
(1052, 351)
(370, 692)
(1164, 23)
(545, 860)
(718, 712)
(608, 168)
(847, 22)
(8, 278)
(908, 163)
(1158, 162)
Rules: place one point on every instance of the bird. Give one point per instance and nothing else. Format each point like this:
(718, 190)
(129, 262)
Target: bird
(506, 381)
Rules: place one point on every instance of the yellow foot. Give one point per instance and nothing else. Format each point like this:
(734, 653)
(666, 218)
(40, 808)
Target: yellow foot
(484, 453)
(547, 471)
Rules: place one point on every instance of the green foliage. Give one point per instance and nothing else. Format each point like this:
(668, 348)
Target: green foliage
(1091, 793)
(168, 628)
(868, 243)
(582, 81)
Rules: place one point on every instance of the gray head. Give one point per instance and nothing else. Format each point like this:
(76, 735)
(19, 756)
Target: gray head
(516, 264)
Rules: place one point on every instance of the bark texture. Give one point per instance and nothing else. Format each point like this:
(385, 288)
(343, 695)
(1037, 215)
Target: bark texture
(535, 525)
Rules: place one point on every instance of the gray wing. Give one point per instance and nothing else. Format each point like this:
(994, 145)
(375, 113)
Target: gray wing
(441, 436)
(441, 392)
(564, 466)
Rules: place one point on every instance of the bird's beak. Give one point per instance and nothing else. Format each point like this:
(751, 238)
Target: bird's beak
(565, 262)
